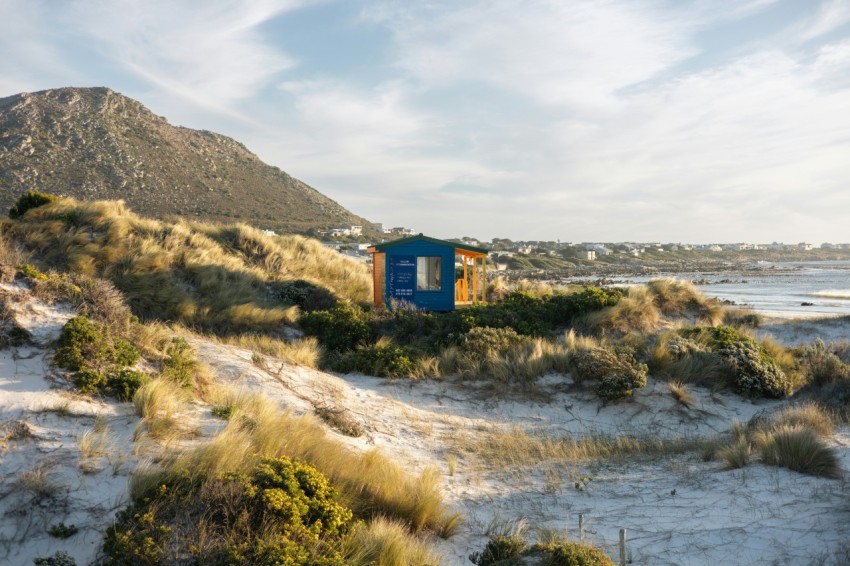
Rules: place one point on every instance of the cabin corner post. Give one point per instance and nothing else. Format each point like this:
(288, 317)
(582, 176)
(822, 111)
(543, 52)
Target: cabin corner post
(484, 281)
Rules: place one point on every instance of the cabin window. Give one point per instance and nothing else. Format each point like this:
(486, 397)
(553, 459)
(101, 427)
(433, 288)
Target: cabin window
(428, 273)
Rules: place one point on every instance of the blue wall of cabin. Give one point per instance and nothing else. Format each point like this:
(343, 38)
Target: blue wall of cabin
(442, 300)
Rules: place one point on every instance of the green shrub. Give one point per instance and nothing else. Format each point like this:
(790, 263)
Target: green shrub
(98, 358)
(715, 338)
(573, 554)
(410, 326)
(298, 496)
(89, 381)
(821, 366)
(484, 341)
(62, 530)
(124, 383)
(180, 362)
(754, 373)
(499, 547)
(223, 412)
(32, 272)
(87, 344)
(382, 359)
(342, 328)
(60, 558)
(616, 372)
(28, 200)
(563, 309)
(307, 296)
(282, 512)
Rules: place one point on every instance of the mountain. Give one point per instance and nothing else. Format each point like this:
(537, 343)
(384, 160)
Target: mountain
(93, 143)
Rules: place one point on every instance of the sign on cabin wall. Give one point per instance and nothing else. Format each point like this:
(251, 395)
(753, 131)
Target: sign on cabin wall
(402, 277)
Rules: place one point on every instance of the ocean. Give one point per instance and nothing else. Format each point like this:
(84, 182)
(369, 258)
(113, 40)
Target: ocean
(776, 289)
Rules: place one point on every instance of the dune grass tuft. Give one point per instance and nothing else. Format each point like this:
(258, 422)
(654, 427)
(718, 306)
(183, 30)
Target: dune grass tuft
(800, 449)
(387, 543)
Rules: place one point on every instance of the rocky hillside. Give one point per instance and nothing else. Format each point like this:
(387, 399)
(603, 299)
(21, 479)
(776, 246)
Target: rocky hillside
(93, 143)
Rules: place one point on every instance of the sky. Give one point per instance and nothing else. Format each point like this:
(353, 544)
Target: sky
(610, 120)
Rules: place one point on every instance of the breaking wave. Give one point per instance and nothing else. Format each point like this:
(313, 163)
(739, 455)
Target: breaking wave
(833, 294)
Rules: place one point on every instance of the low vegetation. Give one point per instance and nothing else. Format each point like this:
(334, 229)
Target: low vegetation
(226, 279)
(273, 487)
(513, 548)
(793, 438)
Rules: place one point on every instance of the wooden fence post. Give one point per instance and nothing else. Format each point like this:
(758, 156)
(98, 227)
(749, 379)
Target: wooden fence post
(622, 547)
(581, 528)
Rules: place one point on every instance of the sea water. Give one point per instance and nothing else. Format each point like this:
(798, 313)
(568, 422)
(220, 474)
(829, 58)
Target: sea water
(776, 289)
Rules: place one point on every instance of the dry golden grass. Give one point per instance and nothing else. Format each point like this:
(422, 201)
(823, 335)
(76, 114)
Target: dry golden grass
(94, 442)
(736, 455)
(370, 483)
(37, 481)
(636, 312)
(575, 342)
(680, 393)
(159, 398)
(519, 448)
(808, 415)
(681, 298)
(303, 352)
(387, 543)
(519, 366)
(800, 449)
(200, 275)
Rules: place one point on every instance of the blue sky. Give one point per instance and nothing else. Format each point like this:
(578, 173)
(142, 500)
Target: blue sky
(692, 121)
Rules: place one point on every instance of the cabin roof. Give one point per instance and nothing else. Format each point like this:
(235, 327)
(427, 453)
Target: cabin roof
(421, 238)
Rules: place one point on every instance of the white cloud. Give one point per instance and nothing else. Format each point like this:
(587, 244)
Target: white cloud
(554, 52)
(831, 15)
(209, 52)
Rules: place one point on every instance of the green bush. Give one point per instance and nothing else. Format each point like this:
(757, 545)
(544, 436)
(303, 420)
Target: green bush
(616, 372)
(98, 358)
(180, 362)
(32, 272)
(563, 309)
(282, 512)
(307, 296)
(60, 558)
(223, 412)
(342, 328)
(383, 360)
(715, 338)
(822, 366)
(484, 341)
(754, 373)
(62, 530)
(87, 344)
(28, 200)
(89, 381)
(573, 554)
(499, 547)
(124, 383)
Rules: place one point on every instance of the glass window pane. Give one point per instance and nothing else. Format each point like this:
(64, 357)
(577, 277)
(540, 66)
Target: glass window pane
(434, 280)
(422, 273)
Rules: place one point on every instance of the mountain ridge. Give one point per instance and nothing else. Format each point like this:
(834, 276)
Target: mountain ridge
(97, 144)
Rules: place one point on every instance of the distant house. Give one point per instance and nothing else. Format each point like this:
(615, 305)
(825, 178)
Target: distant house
(421, 271)
(588, 254)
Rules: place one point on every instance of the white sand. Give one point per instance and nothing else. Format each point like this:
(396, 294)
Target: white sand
(677, 510)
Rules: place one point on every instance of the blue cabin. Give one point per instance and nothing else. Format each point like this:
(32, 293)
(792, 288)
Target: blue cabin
(433, 275)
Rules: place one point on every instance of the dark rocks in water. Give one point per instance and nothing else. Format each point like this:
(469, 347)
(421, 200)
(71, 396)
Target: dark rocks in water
(805, 304)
